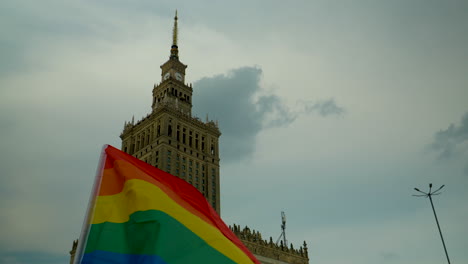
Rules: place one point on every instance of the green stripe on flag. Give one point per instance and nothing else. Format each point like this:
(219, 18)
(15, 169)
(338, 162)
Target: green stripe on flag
(153, 233)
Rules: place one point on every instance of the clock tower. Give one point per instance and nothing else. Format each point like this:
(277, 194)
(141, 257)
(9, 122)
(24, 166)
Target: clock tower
(172, 90)
(170, 138)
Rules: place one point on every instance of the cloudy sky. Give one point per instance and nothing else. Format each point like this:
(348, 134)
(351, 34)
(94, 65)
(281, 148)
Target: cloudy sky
(332, 111)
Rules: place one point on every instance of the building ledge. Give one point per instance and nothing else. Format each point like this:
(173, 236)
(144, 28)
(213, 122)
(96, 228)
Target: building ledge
(258, 246)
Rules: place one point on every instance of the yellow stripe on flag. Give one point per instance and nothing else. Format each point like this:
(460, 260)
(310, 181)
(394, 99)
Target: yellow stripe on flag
(139, 195)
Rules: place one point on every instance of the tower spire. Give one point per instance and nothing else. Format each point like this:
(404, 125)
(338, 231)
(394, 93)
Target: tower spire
(174, 48)
(174, 31)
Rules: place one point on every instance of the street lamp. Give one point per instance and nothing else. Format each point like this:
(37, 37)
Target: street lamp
(429, 194)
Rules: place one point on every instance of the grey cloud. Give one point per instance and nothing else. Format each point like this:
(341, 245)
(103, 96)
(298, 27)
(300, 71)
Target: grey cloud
(233, 98)
(272, 105)
(244, 109)
(453, 140)
(324, 108)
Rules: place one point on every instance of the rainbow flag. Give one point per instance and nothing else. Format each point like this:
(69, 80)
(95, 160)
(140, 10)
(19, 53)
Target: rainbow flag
(140, 214)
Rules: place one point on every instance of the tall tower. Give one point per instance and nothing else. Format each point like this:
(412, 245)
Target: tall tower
(170, 138)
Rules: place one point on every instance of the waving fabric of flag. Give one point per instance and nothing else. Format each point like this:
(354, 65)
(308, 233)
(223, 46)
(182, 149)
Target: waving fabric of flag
(140, 214)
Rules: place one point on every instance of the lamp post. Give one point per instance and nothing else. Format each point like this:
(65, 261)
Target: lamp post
(430, 194)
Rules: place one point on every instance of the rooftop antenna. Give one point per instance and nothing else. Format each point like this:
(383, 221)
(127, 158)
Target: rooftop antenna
(283, 230)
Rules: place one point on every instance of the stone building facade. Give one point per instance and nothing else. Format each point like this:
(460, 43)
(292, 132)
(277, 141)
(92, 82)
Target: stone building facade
(173, 140)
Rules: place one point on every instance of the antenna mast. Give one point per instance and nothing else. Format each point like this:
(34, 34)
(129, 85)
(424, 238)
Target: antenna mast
(283, 230)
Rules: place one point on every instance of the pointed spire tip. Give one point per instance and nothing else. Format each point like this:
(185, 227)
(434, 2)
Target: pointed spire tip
(174, 50)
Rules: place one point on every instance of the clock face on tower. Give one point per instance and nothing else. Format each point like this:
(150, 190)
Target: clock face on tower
(166, 76)
(178, 76)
